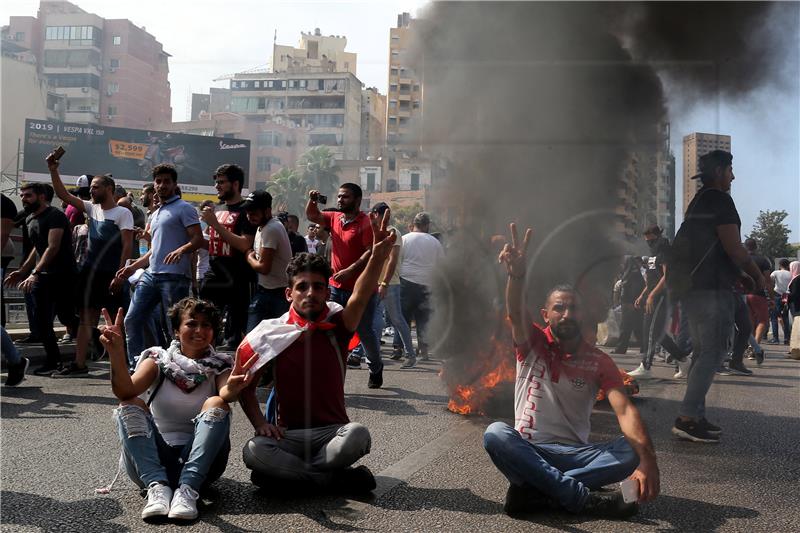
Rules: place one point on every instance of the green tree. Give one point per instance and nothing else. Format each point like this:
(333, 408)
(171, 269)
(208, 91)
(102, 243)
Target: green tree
(318, 169)
(772, 234)
(289, 192)
(403, 216)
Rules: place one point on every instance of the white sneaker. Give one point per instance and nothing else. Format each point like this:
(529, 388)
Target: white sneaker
(640, 373)
(184, 503)
(158, 498)
(683, 369)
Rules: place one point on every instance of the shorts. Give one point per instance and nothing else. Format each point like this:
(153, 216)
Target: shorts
(94, 292)
(759, 309)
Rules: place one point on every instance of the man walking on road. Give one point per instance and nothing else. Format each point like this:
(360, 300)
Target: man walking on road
(707, 258)
(176, 233)
(48, 273)
(110, 240)
(547, 456)
(351, 238)
(421, 253)
(227, 282)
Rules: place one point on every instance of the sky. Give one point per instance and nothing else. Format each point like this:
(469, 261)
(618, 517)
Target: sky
(208, 39)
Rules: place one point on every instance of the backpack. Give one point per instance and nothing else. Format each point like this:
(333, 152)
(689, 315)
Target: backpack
(681, 265)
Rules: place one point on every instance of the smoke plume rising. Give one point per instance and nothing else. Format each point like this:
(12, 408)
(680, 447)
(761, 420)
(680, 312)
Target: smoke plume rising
(538, 107)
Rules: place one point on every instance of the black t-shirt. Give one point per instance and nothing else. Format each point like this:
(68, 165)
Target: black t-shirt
(654, 268)
(709, 209)
(298, 243)
(224, 260)
(39, 228)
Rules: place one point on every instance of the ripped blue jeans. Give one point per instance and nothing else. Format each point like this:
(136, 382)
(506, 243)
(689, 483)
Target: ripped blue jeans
(149, 458)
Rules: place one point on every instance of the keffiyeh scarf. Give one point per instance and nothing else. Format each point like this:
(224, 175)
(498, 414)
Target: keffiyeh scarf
(184, 372)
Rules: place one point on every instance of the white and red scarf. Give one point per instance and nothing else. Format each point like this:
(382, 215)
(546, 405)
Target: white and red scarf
(271, 337)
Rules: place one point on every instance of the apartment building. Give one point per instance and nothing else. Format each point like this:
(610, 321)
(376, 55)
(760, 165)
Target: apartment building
(695, 145)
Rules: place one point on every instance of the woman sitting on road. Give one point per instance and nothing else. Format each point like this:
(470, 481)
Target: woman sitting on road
(174, 415)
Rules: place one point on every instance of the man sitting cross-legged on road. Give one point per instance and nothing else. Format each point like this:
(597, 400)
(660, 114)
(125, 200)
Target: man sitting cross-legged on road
(547, 456)
(313, 443)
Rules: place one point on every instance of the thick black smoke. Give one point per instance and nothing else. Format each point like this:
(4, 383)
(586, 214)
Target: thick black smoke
(538, 108)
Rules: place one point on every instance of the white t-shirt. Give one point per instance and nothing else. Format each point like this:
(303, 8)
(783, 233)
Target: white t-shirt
(273, 235)
(781, 278)
(312, 245)
(105, 237)
(421, 253)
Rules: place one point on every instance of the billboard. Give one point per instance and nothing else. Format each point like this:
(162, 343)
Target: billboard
(128, 154)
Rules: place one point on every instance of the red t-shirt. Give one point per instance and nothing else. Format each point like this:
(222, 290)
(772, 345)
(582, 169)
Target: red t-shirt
(309, 378)
(350, 241)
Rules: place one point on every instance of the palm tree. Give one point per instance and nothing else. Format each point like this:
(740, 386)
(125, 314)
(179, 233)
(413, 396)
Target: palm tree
(288, 191)
(319, 170)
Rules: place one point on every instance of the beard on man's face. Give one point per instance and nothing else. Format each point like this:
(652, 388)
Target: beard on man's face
(566, 330)
(31, 207)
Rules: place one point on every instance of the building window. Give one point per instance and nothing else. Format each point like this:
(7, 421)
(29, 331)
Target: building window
(19, 36)
(394, 72)
(392, 163)
(112, 88)
(393, 88)
(113, 63)
(392, 104)
(117, 40)
(414, 181)
(416, 88)
(370, 181)
(112, 110)
(392, 121)
(415, 104)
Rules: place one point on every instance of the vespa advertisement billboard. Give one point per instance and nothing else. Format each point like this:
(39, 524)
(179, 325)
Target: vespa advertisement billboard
(128, 154)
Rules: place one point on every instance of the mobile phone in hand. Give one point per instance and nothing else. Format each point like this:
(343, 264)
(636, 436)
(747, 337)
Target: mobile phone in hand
(58, 152)
(630, 490)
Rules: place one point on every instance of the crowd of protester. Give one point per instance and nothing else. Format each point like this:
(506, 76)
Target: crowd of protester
(202, 305)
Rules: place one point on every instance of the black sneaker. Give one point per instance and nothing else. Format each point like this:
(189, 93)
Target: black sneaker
(375, 380)
(358, 480)
(422, 353)
(675, 358)
(353, 361)
(70, 371)
(30, 339)
(523, 500)
(693, 431)
(411, 362)
(397, 354)
(45, 370)
(738, 369)
(16, 373)
(724, 371)
(759, 357)
(609, 505)
(709, 427)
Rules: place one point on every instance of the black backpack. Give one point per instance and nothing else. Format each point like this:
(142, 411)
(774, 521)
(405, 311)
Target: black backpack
(681, 261)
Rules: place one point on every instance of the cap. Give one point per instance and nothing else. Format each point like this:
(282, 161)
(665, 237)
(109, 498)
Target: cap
(422, 219)
(258, 200)
(83, 181)
(711, 160)
(380, 208)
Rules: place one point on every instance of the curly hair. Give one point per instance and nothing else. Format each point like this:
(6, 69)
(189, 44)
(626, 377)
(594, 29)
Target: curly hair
(165, 169)
(311, 263)
(193, 307)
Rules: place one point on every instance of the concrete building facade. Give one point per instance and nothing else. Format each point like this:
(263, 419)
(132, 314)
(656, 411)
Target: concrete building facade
(373, 116)
(110, 72)
(315, 53)
(695, 145)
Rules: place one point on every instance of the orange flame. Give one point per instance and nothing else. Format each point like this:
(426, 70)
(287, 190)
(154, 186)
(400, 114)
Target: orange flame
(492, 369)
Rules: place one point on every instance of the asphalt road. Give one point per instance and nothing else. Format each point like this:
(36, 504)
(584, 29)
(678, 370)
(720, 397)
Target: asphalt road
(59, 444)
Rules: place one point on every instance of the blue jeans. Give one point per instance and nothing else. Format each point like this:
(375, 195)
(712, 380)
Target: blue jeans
(10, 351)
(152, 290)
(266, 303)
(402, 331)
(377, 327)
(711, 319)
(365, 331)
(684, 338)
(148, 458)
(781, 311)
(416, 304)
(565, 472)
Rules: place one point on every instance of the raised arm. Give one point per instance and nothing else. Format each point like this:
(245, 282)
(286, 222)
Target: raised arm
(382, 244)
(513, 256)
(124, 385)
(312, 209)
(242, 243)
(58, 185)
